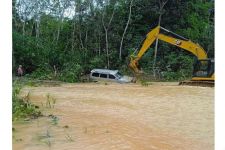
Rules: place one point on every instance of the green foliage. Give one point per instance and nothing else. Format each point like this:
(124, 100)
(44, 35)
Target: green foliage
(22, 107)
(73, 46)
(42, 74)
(71, 73)
(171, 76)
(97, 62)
(29, 52)
(144, 83)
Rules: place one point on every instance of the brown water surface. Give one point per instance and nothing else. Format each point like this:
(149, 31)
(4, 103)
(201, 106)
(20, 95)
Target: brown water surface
(119, 117)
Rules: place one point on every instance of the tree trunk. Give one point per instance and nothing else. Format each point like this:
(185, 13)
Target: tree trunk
(124, 32)
(37, 29)
(161, 5)
(86, 39)
(73, 37)
(107, 47)
(24, 28)
(99, 44)
(156, 49)
(60, 23)
(106, 36)
(81, 42)
(58, 32)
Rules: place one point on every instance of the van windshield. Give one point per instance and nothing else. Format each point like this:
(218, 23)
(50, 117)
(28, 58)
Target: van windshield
(119, 75)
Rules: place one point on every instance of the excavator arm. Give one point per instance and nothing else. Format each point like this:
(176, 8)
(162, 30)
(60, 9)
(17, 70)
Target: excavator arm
(176, 40)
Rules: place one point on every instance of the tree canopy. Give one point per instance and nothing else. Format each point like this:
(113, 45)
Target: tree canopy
(65, 39)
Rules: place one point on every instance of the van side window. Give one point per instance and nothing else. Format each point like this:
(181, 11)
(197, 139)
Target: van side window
(103, 75)
(95, 74)
(111, 76)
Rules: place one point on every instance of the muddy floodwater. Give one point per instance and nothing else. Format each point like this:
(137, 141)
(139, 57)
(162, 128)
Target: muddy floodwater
(98, 116)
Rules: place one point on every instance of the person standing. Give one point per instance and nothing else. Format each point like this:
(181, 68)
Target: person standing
(20, 71)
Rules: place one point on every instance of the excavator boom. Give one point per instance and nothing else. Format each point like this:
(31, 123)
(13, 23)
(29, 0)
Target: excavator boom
(175, 40)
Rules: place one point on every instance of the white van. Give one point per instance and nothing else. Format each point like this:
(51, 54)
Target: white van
(109, 75)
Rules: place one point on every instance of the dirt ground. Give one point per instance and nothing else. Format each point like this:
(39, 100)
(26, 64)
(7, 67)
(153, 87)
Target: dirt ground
(98, 116)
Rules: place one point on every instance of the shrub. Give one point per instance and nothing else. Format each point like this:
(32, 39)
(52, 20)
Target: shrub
(42, 74)
(71, 73)
(21, 107)
(97, 62)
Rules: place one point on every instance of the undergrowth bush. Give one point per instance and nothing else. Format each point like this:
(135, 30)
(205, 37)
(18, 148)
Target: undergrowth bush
(21, 107)
(71, 73)
(42, 74)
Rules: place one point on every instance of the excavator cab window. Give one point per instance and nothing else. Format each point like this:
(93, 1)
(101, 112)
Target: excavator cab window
(203, 68)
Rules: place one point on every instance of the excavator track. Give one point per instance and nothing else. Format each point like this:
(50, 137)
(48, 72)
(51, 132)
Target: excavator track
(198, 83)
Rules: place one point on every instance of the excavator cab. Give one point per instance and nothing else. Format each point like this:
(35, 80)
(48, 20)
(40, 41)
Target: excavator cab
(203, 68)
(203, 74)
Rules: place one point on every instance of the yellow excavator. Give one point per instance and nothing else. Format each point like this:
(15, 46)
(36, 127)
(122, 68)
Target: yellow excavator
(203, 72)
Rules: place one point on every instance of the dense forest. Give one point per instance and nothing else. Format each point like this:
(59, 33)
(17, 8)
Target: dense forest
(65, 39)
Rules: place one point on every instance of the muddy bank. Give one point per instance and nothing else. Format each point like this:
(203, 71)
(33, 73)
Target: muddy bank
(119, 116)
